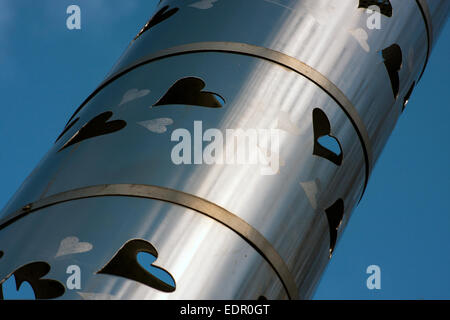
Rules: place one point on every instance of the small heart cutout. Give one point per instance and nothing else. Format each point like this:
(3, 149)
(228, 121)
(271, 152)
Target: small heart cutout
(187, 91)
(157, 125)
(157, 18)
(71, 245)
(203, 4)
(33, 273)
(322, 129)
(361, 36)
(312, 190)
(98, 126)
(125, 264)
(133, 94)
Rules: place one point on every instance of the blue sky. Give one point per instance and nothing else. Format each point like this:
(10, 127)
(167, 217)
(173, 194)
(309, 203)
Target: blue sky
(402, 224)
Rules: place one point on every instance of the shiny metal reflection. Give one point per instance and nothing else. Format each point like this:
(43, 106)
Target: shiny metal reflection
(108, 190)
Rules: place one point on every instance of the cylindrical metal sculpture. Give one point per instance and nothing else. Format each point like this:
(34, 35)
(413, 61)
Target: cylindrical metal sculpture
(231, 143)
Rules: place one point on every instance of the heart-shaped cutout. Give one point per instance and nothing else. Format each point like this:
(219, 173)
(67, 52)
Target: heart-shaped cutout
(393, 60)
(203, 4)
(322, 129)
(334, 213)
(157, 125)
(188, 91)
(133, 94)
(312, 190)
(71, 245)
(361, 36)
(98, 126)
(33, 273)
(125, 264)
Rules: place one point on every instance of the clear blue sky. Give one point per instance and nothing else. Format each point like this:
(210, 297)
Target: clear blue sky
(402, 223)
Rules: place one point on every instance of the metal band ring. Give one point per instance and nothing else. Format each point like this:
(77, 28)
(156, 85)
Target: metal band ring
(425, 11)
(232, 221)
(270, 55)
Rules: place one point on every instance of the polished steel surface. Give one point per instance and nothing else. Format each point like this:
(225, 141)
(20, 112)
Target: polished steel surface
(276, 205)
(330, 36)
(194, 249)
(302, 69)
(252, 236)
(266, 54)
